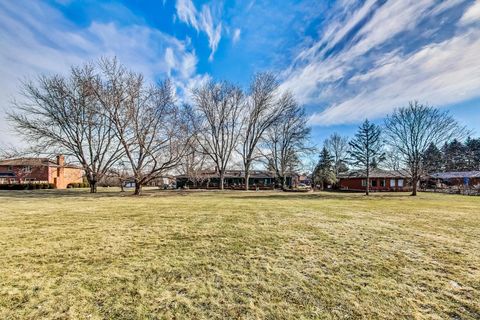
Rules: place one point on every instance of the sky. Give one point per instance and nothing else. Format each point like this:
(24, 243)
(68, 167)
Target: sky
(344, 60)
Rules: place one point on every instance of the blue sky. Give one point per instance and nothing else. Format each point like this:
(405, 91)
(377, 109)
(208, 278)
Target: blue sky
(344, 60)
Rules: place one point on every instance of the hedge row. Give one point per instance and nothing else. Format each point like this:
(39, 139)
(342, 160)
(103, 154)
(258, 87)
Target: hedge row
(27, 186)
(78, 185)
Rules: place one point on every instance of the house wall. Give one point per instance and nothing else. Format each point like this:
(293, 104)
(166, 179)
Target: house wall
(61, 177)
(37, 173)
(391, 184)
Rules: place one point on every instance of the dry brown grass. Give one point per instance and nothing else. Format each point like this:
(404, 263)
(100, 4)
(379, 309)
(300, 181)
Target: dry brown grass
(245, 255)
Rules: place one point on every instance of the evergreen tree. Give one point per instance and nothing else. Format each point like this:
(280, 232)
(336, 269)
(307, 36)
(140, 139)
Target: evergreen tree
(455, 156)
(324, 172)
(473, 153)
(366, 146)
(432, 159)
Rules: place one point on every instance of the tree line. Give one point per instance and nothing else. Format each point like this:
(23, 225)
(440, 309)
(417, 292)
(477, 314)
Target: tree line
(112, 121)
(407, 139)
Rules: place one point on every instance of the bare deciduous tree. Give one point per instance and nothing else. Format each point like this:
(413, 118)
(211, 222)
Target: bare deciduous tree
(146, 121)
(195, 161)
(63, 113)
(411, 130)
(217, 121)
(287, 138)
(262, 111)
(338, 147)
(393, 160)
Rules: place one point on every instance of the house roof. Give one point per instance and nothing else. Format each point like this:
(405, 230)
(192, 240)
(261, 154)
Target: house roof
(34, 162)
(456, 175)
(374, 173)
(26, 162)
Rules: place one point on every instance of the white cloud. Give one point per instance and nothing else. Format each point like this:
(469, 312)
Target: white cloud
(30, 46)
(369, 74)
(187, 12)
(236, 35)
(439, 74)
(472, 14)
(201, 21)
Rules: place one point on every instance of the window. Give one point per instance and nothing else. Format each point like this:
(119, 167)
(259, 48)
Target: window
(400, 183)
(392, 183)
(364, 183)
(27, 169)
(382, 183)
(373, 183)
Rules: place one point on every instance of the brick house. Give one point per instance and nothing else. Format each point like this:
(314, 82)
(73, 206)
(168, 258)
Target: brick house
(380, 180)
(40, 170)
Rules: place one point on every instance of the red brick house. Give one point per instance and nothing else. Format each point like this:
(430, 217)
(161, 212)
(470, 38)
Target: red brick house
(380, 180)
(39, 170)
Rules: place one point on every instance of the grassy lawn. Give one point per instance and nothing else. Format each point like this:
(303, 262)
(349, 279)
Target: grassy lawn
(212, 255)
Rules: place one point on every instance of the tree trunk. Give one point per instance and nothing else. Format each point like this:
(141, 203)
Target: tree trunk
(93, 186)
(284, 183)
(138, 189)
(368, 185)
(414, 185)
(247, 178)
(222, 175)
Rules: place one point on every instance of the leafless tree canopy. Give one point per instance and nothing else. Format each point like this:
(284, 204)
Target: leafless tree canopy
(410, 130)
(286, 139)
(262, 111)
(217, 120)
(64, 113)
(146, 122)
(337, 146)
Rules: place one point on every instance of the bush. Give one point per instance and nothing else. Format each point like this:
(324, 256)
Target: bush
(78, 185)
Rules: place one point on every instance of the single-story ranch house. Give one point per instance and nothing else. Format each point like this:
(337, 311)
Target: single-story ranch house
(380, 180)
(463, 179)
(234, 179)
(40, 170)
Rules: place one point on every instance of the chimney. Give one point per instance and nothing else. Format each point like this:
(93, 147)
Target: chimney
(61, 160)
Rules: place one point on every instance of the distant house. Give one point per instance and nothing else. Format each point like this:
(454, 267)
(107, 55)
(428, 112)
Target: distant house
(463, 179)
(234, 179)
(380, 180)
(39, 170)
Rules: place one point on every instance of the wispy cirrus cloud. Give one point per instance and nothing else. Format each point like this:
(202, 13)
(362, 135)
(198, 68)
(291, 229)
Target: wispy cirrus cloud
(374, 56)
(236, 35)
(202, 20)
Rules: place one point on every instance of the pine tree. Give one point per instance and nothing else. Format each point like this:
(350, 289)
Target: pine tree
(473, 153)
(432, 159)
(366, 146)
(324, 172)
(455, 156)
